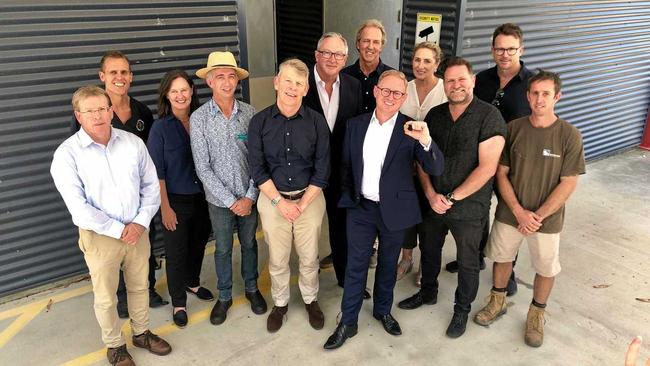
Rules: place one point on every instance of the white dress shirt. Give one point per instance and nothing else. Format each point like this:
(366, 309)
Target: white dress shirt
(106, 187)
(375, 146)
(330, 104)
(412, 106)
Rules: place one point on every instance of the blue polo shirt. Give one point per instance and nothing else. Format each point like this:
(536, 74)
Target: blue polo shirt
(171, 152)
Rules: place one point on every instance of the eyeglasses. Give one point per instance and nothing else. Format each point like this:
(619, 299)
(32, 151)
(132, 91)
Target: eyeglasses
(98, 111)
(328, 54)
(386, 92)
(511, 51)
(497, 98)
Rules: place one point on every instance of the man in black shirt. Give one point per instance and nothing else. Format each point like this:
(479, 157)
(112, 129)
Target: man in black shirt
(371, 38)
(133, 116)
(504, 86)
(288, 154)
(470, 134)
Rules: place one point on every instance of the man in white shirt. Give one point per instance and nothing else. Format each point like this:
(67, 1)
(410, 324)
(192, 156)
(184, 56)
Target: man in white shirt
(109, 184)
(378, 192)
(336, 96)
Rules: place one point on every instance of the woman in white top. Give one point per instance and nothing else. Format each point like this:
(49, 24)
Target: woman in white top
(422, 93)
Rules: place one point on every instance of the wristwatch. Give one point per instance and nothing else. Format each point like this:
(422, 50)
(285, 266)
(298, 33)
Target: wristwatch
(450, 197)
(276, 200)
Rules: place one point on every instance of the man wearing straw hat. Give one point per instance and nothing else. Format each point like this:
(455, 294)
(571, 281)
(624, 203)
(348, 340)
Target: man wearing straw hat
(219, 138)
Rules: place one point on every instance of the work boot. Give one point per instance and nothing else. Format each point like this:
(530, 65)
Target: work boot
(496, 307)
(534, 336)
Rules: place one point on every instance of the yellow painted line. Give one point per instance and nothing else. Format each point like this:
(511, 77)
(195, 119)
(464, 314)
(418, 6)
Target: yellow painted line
(18, 324)
(55, 299)
(195, 318)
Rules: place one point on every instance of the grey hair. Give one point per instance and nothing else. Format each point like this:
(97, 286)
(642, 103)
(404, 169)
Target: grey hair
(333, 35)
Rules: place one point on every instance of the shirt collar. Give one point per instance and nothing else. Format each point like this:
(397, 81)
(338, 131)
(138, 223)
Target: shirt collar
(214, 107)
(320, 81)
(522, 72)
(390, 122)
(275, 111)
(85, 140)
(381, 67)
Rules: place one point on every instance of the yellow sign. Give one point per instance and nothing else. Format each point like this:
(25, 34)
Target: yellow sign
(428, 27)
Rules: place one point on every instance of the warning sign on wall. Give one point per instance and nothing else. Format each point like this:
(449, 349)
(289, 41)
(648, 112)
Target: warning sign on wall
(427, 28)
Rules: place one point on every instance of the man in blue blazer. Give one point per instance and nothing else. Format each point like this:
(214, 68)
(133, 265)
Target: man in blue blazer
(378, 192)
(337, 97)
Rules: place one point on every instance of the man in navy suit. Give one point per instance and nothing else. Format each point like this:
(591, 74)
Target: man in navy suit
(378, 191)
(337, 97)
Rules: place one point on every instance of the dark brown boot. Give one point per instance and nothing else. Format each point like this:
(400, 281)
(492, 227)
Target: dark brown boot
(316, 317)
(275, 319)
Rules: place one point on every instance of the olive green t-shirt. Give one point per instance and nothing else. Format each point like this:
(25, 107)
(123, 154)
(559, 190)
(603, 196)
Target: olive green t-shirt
(537, 158)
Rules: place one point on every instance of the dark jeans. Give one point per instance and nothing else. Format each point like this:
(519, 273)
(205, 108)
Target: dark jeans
(467, 234)
(121, 287)
(224, 223)
(185, 246)
(336, 218)
(364, 224)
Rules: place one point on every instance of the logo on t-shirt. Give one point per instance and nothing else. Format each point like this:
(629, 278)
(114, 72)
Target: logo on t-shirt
(547, 152)
(139, 125)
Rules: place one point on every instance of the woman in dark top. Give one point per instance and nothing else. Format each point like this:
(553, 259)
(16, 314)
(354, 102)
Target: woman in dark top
(185, 218)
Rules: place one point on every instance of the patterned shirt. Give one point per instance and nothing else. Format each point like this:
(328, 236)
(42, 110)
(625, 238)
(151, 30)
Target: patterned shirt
(220, 150)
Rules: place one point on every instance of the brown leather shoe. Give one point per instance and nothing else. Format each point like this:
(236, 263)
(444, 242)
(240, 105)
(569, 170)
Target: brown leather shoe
(316, 317)
(119, 356)
(274, 321)
(153, 343)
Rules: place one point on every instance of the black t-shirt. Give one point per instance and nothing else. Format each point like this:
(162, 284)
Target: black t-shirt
(513, 103)
(459, 142)
(139, 124)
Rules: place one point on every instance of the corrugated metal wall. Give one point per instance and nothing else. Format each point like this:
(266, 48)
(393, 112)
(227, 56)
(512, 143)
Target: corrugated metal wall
(48, 50)
(600, 48)
(298, 23)
(448, 37)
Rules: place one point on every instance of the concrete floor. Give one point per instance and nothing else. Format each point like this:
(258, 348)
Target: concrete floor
(606, 241)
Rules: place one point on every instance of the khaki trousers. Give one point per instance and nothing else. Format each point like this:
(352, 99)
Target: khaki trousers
(104, 256)
(279, 234)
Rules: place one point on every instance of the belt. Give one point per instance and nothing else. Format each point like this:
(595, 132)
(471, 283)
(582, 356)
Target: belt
(293, 196)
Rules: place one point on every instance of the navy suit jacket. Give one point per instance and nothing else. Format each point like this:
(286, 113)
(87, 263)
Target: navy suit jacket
(398, 200)
(350, 105)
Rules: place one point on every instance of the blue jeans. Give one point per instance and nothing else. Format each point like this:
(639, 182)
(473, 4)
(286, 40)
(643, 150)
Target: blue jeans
(224, 224)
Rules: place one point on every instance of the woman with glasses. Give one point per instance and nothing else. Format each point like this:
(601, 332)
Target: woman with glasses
(185, 218)
(423, 93)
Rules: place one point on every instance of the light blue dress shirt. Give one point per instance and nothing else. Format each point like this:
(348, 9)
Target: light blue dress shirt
(106, 187)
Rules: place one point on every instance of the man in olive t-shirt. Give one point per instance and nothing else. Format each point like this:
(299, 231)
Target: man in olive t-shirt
(538, 171)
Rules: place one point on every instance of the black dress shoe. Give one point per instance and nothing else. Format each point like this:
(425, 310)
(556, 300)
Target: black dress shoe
(339, 336)
(457, 325)
(202, 293)
(366, 294)
(511, 288)
(122, 309)
(220, 311)
(180, 318)
(258, 304)
(155, 300)
(452, 267)
(416, 301)
(391, 326)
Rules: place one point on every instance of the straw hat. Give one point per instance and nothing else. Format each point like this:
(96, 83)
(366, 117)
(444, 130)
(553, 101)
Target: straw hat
(222, 60)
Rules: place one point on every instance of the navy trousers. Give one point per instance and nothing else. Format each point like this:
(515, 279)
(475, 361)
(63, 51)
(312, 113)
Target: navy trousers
(364, 224)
